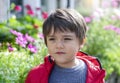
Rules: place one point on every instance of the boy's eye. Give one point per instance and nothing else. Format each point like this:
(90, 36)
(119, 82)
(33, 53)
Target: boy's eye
(51, 39)
(67, 39)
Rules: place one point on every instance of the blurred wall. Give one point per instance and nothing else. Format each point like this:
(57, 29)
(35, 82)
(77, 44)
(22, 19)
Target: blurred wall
(4, 7)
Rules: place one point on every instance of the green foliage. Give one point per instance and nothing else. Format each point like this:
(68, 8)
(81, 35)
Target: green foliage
(5, 35)
(104, 44)
(23, 25)
(15, 66)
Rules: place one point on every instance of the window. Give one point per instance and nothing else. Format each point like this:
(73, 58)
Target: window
(20, 3)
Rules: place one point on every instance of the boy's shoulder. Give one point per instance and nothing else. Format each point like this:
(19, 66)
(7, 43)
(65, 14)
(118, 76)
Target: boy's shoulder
(36, 71)
(89, 60)
(94, 68)
(39, 72)
(41, 68)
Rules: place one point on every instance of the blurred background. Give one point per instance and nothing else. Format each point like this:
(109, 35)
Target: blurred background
(21, 39)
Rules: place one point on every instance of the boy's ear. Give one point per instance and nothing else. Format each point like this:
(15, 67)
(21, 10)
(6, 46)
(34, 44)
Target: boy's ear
(82, 43)
(84, 40)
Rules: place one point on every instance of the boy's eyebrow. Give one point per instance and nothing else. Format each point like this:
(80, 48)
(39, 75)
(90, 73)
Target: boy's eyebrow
(50, 36)
(62, 35)
(67, 36)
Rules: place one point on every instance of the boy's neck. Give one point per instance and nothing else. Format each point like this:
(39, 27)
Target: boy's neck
(70, 64)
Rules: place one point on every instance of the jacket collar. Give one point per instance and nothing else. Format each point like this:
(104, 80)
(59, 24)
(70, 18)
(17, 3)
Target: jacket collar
(95, 73)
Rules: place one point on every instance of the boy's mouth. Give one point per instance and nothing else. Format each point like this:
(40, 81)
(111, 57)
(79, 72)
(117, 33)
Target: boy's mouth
(60, 52)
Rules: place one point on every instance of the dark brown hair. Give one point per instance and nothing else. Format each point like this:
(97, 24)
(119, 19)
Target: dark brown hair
(65, 20)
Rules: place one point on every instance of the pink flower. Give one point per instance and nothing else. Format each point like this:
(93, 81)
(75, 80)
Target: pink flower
(30, 12)
(10, 48)
(113, 28)
(44, 15)
(38, 8)
(113, 17)
(41, 35)
(115, 4)
(87, 19)
(21, 40)
(29, 38)
(105, 4)
(14, 32)
(17, 8)
(28, 7)
(32, 48)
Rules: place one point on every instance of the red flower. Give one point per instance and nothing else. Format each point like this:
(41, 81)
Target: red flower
(28, 7)
(38, 8)
(30, 12)
(17, 8)
(44, 15)
(35, 26)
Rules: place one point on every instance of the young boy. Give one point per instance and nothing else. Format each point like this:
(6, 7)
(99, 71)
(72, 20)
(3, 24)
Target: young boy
(64, 34)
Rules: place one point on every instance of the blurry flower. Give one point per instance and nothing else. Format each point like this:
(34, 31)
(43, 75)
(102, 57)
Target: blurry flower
(117, 30)
(38, 8)
(41, 35)
(16, 33)
(21, 40)
(28, 7)
(17, 8)
(115, 3)
(35, 26)
(24, 41)
(32, 48)
(113, 17)
(113, 28)
(87, 19)
(99, 13)
(29, 38)
(118, 17)
(105, 4)
(109, 27)
(44, 15)
(10, 48)
(0, 44)
(30, 12)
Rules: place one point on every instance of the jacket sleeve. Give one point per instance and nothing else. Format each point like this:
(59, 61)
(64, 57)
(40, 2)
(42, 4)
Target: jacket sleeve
(102, 76)
(28, 78)
(34, 75)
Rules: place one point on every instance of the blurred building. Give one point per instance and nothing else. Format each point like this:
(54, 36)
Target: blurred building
(43, 5)
(86, 6)
(4, 6)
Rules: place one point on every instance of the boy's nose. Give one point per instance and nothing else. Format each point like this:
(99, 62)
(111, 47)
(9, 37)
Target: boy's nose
(59, 45)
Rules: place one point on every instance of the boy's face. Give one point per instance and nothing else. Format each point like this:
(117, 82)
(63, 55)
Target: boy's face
(63, 46)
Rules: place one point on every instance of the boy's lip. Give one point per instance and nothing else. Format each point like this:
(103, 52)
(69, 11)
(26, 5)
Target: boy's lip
(60, 52)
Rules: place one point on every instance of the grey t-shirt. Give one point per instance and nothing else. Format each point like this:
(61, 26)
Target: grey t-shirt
(76, 74)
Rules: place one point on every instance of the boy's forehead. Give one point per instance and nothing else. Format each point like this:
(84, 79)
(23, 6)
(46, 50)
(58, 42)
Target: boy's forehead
(65, 33)
(58, 30)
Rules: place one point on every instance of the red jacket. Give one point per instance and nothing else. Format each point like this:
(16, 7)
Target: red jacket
(40, 74)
